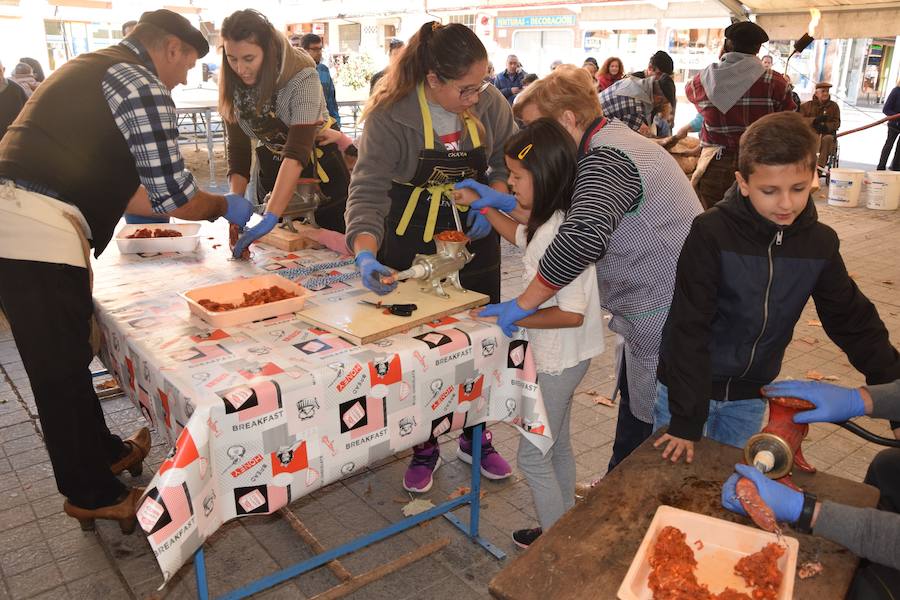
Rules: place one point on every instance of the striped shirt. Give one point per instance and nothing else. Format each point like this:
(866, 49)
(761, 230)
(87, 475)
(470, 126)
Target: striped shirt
(607, 185)
(144, 112)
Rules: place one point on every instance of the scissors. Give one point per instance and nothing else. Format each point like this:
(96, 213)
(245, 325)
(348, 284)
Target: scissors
(401, 310)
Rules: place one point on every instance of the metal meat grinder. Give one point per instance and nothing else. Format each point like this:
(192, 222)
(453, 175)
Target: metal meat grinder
(433, 270)
(776, 449)
(302, 206)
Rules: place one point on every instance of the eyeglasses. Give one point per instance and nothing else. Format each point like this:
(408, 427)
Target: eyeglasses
(467, 93)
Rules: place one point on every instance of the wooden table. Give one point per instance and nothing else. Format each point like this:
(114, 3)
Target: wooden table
(589, 550)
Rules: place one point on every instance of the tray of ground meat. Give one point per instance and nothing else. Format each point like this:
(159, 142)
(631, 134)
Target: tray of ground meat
(689, 556)
(246, 300)
(158, 237)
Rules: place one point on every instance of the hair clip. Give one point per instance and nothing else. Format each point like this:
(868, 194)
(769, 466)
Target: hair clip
(524, 151)
(435, 25)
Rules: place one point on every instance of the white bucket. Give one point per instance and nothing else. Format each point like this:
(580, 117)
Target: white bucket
(883, 190)
(845, 187)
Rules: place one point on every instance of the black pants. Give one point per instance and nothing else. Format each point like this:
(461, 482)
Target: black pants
(630, 431)
(874, 581)
(893, 134)
(49, 307)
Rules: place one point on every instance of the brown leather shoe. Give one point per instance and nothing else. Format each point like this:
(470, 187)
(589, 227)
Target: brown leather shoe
(123, 512)
(133, 462)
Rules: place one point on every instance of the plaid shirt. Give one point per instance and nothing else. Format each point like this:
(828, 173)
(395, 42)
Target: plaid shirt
(624, 108)
(768, 94)
(145, 114)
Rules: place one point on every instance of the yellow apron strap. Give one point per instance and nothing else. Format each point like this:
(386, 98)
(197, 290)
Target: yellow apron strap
(317, 152)
(427, 125)
(431, 219)
(408, 211)
(473, 131)
(323, 176)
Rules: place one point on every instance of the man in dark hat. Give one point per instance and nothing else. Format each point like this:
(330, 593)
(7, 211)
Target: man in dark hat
(824, 117)
(730, 95)
(98, 138)
(662, 67)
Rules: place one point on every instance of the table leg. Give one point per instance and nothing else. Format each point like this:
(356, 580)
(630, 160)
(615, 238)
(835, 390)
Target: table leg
(209, 149)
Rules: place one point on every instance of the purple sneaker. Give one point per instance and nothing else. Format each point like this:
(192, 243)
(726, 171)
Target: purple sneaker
(425, 461)
(493, 466)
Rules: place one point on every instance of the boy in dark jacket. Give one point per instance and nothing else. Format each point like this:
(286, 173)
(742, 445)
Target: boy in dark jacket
(747, 269)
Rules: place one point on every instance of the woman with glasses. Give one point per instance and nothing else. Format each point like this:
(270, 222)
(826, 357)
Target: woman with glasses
(432, 122)
(270, 94)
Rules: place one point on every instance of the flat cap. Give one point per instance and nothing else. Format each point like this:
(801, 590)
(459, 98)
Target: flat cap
(746, 33)
(823, 85)
(175, 24)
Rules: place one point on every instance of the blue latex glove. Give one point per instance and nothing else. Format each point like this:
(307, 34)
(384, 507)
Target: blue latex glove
(784, 502)
(489, 196)
(834, 404)
(239, 209)
(478, 224)
(372, 271)
(268, 223)
(507, 314)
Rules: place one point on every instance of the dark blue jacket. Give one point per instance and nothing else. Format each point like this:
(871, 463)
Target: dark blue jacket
(741, 286)
(328, 90)
(505, 82)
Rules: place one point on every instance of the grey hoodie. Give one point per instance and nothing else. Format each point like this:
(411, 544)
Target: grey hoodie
(389, 150)
(867, 532)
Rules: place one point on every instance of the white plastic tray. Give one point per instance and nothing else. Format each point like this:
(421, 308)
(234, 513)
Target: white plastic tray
(724, 543)
(233, 292)
(186, 243)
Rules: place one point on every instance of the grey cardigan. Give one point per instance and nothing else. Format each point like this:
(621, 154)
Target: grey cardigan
(389, 150)
(867, 532)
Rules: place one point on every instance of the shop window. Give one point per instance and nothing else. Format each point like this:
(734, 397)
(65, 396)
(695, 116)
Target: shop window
(537, 49)
(350, 37)
(468, 20)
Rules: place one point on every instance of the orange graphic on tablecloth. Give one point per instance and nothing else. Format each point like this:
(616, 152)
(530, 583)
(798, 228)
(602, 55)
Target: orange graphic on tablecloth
(185, 452)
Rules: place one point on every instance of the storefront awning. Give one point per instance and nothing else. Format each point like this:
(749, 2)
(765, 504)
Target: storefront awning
(788, 19)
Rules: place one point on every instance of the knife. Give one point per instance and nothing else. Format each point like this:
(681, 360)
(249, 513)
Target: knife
(401, 310)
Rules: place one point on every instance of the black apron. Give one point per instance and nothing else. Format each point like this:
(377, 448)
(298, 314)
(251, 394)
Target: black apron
(420, 208)
(326, 163)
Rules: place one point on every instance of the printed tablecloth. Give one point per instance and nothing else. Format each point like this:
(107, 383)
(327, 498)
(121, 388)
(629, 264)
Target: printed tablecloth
(263, 413)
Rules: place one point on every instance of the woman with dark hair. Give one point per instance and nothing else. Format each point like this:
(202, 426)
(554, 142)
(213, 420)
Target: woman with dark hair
(269, 92)
(562, 334)
(611, 72)
(431, 122)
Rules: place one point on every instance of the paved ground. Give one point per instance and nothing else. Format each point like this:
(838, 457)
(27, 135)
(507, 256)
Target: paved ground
(43, 554)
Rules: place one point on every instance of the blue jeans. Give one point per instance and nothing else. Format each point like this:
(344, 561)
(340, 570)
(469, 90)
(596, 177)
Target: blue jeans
(730, 422)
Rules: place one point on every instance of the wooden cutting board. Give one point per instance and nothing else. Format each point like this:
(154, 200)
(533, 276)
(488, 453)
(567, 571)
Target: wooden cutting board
(363, 323)
(288, 240)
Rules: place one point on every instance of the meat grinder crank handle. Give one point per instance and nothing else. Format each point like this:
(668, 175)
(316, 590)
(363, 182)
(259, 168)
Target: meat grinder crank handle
(455, 212)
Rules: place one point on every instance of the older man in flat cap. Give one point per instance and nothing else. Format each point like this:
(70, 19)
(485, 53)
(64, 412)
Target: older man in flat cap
(98, 137)
(732, 94)
(824, 116)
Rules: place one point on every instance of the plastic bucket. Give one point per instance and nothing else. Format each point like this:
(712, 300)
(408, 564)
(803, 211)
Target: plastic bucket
(883, 190)
(845, 187)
